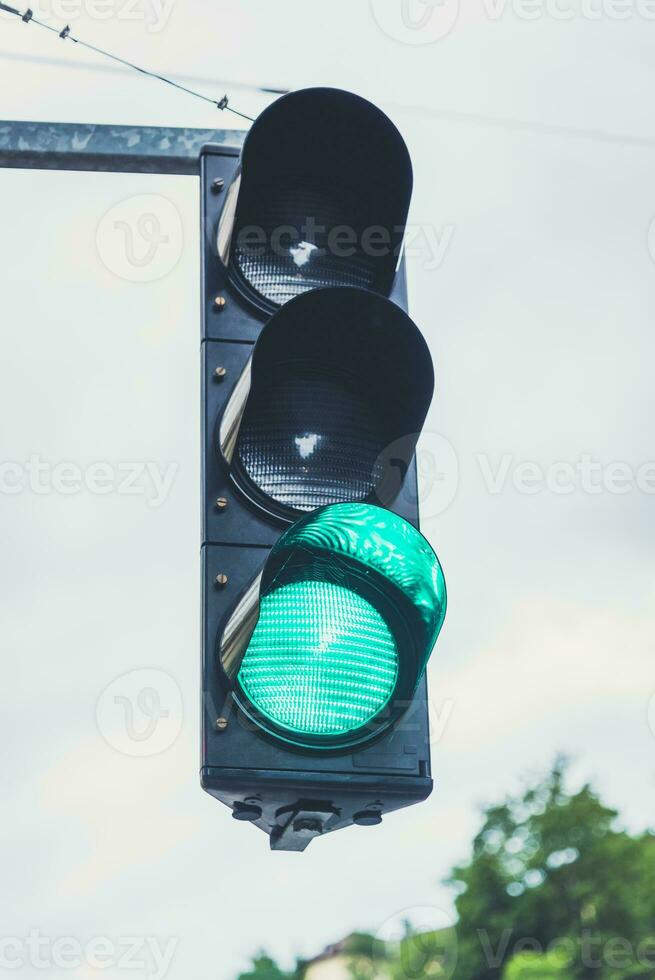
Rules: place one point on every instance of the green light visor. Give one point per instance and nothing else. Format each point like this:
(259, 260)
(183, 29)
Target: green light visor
(351, 600)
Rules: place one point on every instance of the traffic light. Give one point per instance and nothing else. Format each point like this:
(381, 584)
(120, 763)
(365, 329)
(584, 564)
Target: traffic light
(321, 599)
(351, 600)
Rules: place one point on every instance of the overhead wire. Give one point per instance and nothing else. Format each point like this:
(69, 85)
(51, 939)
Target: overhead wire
(507, 123)
(65, 34)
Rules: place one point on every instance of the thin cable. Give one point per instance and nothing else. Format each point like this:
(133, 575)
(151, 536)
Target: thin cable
(526, 125)
(115, 70)
(65, 34)
(517, 125)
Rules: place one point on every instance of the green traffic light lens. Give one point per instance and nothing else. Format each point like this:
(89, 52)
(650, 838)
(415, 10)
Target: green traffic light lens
(351, 600)
(321, 662)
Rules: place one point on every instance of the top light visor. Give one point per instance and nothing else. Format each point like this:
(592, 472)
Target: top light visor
(323, 193)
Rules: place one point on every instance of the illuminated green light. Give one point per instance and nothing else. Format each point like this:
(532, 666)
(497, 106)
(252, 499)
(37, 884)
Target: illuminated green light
(352, 598)
(321, 661)
(388, 549)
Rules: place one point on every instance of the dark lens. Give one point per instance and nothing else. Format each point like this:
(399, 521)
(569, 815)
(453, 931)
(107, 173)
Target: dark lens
(302, 240)
(311, 438)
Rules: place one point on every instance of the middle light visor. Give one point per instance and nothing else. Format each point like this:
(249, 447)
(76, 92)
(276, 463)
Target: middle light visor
(337, 377)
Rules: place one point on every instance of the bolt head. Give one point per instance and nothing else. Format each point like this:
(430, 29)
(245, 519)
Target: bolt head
(367, 818)
(220, 303)
(221, 580)
(244, 811)
(221, 503)
(219, 373)
(217, 185)
(220, 724)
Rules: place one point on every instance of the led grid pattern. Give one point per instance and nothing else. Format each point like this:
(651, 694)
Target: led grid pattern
(321, 660)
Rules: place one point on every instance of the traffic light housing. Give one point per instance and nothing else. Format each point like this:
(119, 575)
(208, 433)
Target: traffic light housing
(320, 198)
(316, 384)
(350, 602)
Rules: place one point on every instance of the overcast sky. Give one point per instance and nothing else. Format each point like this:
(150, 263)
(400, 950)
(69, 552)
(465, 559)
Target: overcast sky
(532, 279)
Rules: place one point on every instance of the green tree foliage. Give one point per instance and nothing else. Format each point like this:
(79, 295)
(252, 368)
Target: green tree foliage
(539, 966)
(366, 956)
(264, 968)
(425, 956)
(554, 890)
(551, 871)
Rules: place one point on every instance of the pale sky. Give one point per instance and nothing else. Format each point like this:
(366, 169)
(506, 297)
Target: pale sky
(532, 279)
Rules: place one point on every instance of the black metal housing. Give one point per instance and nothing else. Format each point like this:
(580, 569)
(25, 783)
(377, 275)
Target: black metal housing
(243, 767)
(292, 794)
